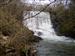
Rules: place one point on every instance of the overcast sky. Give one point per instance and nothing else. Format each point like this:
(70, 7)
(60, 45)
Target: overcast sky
(42, 1)
(38, 1)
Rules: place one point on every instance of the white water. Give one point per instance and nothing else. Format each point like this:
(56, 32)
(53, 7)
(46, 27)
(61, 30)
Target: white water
(42, 23)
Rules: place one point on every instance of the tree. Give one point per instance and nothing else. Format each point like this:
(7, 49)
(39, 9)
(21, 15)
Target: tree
(64, 20)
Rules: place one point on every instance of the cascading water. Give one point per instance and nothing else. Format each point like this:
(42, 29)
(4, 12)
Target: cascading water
(52, 45)
(42, 26)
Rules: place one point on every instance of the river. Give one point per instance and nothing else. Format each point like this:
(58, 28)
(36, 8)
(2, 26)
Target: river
(51, 45)
(50, 48)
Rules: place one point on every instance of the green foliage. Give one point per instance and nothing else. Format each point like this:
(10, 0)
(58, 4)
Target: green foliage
(65, 18)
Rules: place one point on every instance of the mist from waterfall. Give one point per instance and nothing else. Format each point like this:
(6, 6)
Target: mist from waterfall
(41, 26)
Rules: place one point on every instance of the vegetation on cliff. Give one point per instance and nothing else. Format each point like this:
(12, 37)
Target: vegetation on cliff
(64, 19)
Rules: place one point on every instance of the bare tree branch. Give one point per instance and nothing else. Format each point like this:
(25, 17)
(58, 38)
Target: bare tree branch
(40, 11)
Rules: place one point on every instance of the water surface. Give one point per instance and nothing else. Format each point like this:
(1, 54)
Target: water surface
(52, 45)
(51, 48)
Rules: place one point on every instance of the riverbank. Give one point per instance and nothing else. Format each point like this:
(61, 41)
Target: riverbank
(15, 38)
(27, 50)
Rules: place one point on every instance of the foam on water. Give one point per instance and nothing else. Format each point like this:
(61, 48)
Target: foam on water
(42, 23)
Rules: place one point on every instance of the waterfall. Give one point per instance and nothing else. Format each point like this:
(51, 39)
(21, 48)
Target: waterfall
(41, 26)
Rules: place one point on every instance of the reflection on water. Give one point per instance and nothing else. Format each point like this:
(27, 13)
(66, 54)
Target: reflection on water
(46, 48)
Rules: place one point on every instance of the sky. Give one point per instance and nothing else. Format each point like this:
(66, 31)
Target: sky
(42, 2)
(38, 2)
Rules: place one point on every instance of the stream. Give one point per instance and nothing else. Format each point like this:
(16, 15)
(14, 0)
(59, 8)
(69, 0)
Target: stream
(51, 45)
(51, 48)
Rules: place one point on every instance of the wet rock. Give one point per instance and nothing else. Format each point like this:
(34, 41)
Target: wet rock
(32, 51)
(37, 39)
(39, 33)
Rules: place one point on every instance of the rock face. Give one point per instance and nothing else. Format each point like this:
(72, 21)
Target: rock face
(37, 39)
